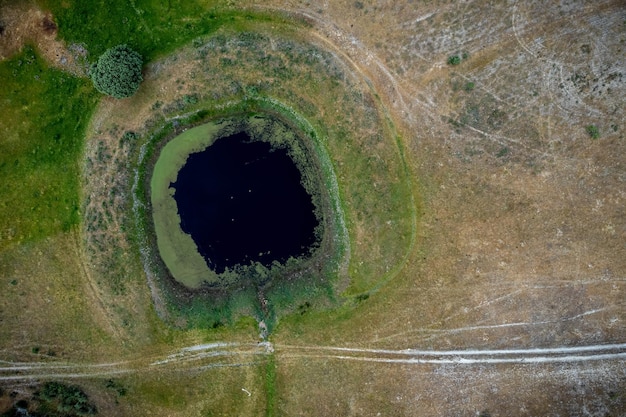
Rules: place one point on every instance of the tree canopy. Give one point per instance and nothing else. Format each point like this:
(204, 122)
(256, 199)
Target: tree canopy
(117, 72)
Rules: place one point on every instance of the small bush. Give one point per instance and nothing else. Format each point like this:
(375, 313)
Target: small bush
(593, 131)
(117, 387)
(117, 72)
(128, 137)
(503, 152)
(362, 297)
(68, 399)
(454, 60)
(190, 99)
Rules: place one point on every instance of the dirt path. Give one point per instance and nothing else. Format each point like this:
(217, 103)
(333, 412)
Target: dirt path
(229, 354)
(463, 357)
(197, 357)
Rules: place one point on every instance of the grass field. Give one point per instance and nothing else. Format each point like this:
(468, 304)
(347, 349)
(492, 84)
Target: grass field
(482, 266)
(43, 120)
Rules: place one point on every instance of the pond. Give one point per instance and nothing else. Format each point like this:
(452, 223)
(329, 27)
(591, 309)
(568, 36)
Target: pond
(242, 201)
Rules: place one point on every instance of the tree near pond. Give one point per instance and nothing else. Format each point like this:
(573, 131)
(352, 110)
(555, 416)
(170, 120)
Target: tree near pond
(117, 72)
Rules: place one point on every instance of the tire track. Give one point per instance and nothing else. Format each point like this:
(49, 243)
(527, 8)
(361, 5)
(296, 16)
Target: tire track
(186, 359)
(226, 354)
(609, 352)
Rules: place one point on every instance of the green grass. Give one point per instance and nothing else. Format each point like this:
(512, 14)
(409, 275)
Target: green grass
(151, 27)
(148, 26)
(214, 391)
(44, 113)
(270, 387)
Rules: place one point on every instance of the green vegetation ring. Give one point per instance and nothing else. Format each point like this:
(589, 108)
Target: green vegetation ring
(178, 250)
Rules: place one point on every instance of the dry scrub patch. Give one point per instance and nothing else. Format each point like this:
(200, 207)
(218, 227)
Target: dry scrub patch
(502, 170)
(26, 24)
(521, 239)
(332, 386)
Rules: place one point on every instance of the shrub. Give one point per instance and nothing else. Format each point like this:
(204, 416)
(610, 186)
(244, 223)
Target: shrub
(68, 399)
(128, 137)
(469, 86)
(117, 72)
(190, 99)
(454, 60)
(593, 131)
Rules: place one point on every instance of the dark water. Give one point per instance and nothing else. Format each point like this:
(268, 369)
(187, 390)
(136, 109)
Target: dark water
(241, 202)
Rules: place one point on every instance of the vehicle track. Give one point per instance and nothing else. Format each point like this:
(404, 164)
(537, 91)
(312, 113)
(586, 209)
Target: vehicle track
(226, 354)
(186, 359)
(465, 357)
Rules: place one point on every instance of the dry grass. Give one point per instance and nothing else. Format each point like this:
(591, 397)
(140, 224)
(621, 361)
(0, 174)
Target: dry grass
(521, 241)
(323, 386)
(48, 310)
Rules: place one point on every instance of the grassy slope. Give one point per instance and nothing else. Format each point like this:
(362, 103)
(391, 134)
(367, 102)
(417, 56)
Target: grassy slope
(47, 317)
(44, 111)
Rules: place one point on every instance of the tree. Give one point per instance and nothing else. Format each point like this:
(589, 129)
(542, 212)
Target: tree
(117, 72)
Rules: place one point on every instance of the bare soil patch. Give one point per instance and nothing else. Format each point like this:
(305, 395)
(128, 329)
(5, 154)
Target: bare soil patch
(24, 23)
